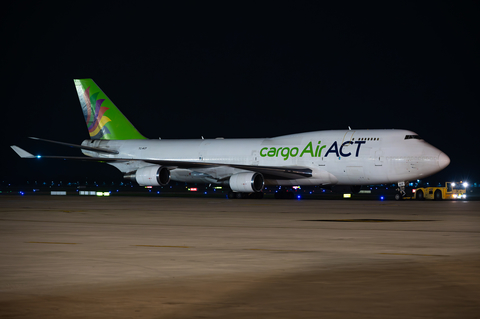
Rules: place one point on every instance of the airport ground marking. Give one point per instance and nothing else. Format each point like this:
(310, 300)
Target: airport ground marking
(423, 255)
(162, 246)
(49, 242)
(281, 250)
(370, 220)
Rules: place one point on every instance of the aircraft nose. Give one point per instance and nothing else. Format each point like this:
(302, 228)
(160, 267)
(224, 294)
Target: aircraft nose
(443, 160)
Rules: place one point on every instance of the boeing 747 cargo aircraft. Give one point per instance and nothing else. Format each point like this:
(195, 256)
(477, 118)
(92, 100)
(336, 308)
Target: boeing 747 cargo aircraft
(323, 158)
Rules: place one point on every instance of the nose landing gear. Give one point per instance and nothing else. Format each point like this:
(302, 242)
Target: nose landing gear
(400, 194)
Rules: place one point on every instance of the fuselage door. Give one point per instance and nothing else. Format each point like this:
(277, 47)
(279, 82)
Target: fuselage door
(255, 157)
(378, 158)
(348, 137)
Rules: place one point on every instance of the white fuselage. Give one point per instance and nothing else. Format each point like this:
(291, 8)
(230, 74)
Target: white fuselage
(336, 157)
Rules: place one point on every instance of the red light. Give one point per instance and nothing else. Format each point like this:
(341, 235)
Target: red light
(193, 189)
(413, 190)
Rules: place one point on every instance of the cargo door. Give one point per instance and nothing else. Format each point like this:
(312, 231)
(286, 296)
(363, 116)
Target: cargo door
(379, 158)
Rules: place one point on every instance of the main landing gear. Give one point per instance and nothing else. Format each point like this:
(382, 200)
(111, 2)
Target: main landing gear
(400, 194)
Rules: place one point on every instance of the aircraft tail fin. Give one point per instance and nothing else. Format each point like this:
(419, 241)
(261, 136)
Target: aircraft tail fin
(104, 120)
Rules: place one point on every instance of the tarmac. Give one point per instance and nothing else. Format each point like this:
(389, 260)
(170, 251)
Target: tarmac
(143, 257)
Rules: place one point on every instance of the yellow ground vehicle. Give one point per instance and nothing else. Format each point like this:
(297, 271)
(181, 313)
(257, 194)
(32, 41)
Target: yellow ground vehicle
(451, 190)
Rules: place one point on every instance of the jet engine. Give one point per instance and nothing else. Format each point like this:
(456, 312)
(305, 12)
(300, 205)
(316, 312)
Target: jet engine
(247, 182)
(154, 175)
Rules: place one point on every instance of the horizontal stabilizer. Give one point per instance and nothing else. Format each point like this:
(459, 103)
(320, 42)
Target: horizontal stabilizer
(21, 152)
(89, 148)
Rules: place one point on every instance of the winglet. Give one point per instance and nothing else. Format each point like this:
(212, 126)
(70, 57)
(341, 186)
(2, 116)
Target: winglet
(21, 152)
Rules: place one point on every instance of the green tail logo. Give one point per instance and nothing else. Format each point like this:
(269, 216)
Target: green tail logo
(104, 120)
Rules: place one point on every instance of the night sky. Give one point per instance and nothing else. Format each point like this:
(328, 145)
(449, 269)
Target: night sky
(239, 70)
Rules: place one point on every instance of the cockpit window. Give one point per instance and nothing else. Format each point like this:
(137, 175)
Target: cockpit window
(414, 137)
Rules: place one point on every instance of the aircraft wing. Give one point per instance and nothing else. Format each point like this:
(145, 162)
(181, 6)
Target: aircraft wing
(277, 172)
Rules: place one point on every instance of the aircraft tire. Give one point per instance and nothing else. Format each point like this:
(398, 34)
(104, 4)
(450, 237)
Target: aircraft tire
(239, 195)
(231, 195)
(398, 196)
(420, 195)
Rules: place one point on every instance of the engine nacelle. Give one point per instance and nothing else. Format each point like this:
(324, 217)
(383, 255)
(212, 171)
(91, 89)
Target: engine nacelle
(154, 175)
(247, 182)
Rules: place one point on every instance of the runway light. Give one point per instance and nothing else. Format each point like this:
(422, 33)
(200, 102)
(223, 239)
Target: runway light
(106, 193)
(347, 195)
(381, 198)
(298, 196)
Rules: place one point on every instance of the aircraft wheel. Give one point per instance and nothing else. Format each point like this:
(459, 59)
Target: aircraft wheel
(420, 195)
(438, 195)
(231, 195)
(240, 195)
(398, 196)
